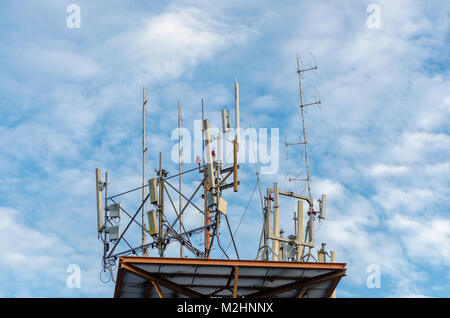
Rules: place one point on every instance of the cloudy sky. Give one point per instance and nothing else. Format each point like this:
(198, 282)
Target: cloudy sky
(379, 147)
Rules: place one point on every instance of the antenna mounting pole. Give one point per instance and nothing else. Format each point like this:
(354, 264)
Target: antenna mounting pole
(144, 150)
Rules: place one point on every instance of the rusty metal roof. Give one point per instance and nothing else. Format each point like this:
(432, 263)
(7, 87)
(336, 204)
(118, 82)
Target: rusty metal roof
(152, 277)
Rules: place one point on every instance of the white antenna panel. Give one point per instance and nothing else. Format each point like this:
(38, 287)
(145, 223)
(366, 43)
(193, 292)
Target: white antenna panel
(114, 232)
(152, 222)
(225, 122)
(222, 206)
(211, 199)
(275, 195)
(323, 205)
(115, 210)
(153, 190)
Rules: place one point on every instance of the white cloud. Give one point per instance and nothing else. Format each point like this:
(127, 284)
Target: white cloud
(378, 147)
(382, 169)
(418, 147)
(168, 44)
(427, 240)
(36, 261)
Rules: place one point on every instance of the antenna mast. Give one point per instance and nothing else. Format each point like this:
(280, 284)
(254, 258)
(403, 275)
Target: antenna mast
(180, 171)
(294, 246)
(310, 226)
(161, 227)
(302, 106)
(144, 150)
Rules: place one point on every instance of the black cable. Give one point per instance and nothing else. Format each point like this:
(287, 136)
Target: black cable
(232, 237)
(245, 211)
(242, 217)
(220, 246)
(138, 188)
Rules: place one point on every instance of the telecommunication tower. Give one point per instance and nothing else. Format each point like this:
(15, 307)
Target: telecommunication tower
(282, 267)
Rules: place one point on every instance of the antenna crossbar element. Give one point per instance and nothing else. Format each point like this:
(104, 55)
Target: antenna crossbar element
(287, 144)
(297, 179)
(307, 69)
(293, 143)
(310, 104)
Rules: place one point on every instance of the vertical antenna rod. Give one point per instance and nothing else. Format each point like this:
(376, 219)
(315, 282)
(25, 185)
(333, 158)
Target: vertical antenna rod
(98, 190)
(203, 141)
(144, 150)
(206, 236)
(180, 168)
(209, 181)
(236, 109)
(276, 255)
(305, 142)
(161, 175)
(310, 225)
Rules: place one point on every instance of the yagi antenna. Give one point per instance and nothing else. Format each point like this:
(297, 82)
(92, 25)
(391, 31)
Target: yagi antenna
(313, 63)
(287, 144)
(299, 63)
(296, 178)
(317, 97)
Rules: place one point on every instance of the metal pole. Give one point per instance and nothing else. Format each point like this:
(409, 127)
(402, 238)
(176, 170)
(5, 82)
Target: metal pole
(236, 111)
(203, 140)
(207, 213)
(305, 142)
(180, 168)
(235, 165)
(144, 149)
(105, 246)
(269, 221)
(98, 190)
(276, 223)
(161, 206)
(299, 229)
(205, 184)
(333, 260)
(209, 181)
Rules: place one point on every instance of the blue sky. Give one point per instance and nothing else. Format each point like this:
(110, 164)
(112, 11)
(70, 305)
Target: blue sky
(70, 102)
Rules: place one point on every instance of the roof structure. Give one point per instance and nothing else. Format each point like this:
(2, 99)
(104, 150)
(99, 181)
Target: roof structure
(154, 277)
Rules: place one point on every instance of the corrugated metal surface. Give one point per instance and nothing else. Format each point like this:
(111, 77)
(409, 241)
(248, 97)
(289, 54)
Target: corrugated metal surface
(141, 276)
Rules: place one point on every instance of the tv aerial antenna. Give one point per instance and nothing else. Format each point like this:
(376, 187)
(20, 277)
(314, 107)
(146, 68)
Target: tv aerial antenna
(303, 107)
(300, 245)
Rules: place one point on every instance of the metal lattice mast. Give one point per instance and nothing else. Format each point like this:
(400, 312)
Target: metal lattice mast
(161, 227)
